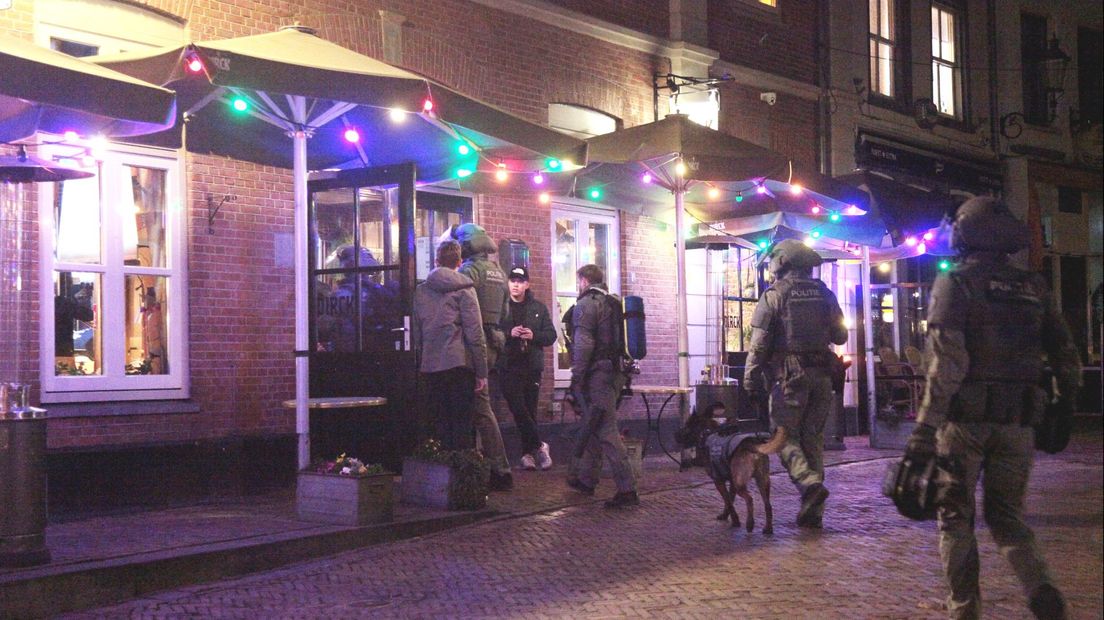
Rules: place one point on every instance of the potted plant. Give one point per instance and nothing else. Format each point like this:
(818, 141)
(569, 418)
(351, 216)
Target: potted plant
(448, 479)
(344, 491)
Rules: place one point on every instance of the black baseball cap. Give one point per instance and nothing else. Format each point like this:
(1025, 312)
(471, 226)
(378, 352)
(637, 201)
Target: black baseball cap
(519, 273)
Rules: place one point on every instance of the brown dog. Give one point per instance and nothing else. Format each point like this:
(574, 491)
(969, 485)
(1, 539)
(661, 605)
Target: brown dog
(732, 460)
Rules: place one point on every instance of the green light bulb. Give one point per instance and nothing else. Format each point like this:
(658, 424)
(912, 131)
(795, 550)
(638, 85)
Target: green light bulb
(463, 172)
(835, 217)
(240, 105)
(815, 234)
(944, 265)
(595, 194)
(463, 149)
(739, 197)
(553, 164)
(762, 245)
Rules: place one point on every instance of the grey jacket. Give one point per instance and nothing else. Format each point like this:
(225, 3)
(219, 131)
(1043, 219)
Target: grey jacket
(593, 324)
(447, 328)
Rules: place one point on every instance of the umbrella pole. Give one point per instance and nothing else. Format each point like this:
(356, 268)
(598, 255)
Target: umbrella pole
(868, 340)
(680, 276)
(302, 385)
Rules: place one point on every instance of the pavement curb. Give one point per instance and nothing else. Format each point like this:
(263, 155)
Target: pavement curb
(85, 585)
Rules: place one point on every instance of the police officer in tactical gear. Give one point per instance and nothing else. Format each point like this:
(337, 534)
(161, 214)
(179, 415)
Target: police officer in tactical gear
(795, 321)
(494, 295)
(989, 326)
(596, 382)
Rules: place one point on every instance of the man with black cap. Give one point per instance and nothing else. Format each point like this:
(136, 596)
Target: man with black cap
(528, 328)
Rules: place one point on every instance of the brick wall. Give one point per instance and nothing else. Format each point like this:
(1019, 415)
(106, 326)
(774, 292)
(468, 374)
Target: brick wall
(648, 16)
(782, 42)
(241, 326)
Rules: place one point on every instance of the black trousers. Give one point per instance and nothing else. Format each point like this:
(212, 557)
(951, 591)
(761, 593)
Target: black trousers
(521, 389)
(449, 397)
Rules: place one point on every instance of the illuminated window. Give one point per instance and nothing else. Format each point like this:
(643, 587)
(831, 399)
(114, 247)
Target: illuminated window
(883, 47)
(946, 62)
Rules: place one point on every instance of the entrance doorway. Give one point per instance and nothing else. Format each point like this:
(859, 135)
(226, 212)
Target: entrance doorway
(371, 239)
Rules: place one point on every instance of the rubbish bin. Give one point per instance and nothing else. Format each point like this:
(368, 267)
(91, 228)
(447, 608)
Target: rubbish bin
(22, 486)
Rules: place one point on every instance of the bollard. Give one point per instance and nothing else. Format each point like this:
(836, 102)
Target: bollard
(22, 486)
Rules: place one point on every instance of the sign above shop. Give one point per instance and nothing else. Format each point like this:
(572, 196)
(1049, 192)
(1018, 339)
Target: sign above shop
(944, 171)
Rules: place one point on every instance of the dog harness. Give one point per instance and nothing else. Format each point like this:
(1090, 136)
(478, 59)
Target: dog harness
(722, 447)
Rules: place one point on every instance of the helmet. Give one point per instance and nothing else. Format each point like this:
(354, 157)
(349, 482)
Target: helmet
(792, 254)
(985, 224)
(911, 484)
(473, 240)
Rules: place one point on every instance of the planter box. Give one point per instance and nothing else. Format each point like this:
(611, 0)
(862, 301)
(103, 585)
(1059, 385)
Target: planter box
(425, 483)
(344, 500)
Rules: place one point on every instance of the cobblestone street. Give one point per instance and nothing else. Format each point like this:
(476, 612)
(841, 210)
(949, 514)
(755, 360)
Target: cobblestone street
(670, 558)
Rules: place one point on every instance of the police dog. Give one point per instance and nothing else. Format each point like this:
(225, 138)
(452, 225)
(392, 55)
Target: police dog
(746, 459)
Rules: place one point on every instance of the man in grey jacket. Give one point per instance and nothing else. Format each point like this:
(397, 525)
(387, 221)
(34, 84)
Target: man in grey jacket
(448, 335)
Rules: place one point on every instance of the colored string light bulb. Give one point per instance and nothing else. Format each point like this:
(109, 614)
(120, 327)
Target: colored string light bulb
(680, 168)
(427, 105)
(397, 115)
(71, 136)
(595, 194)
(538, 179)
(815, 234)
(928, 236)
(463, 149)
(815, 209)
(501, 174)
(910, 241)
(194, 64)
(762, 244)
(352, 135)
(646, 177)
(463, 173)
(760, 189)
(834, 217)
(544, 198)
(714, 193)
(553, 164)
(239, 104)
(944, 265)
(796, 189)
(739, 197)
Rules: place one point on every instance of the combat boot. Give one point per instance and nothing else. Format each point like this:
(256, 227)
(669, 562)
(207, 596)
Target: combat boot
(811, 499)
(1047, 603)
(621, 500)
(500, 482)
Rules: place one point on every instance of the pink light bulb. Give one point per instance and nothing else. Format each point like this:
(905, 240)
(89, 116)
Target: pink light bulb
(538, 179)
(928, 236)
(646, 178)
(352, 135)
(911, 241)
(816, 209)
(760, 189)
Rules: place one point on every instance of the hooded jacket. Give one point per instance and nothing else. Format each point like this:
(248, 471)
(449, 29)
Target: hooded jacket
(447, 328)
(533, 315)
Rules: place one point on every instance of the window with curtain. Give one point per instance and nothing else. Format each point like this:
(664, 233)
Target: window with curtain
(946, 62)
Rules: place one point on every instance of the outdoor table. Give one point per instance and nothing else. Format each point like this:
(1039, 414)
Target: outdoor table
(340, 402)
(653, 425)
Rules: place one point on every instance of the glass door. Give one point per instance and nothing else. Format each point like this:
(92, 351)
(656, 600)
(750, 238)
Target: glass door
(579, 237)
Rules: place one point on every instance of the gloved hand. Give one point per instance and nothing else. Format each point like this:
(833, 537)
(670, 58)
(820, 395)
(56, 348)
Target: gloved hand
(572, 401)
(921, 443)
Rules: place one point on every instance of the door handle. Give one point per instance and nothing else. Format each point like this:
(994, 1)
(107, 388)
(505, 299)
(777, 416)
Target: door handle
(405, 329)
(399, 329)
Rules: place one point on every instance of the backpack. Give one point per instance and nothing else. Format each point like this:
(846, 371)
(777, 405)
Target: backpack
(617, 351)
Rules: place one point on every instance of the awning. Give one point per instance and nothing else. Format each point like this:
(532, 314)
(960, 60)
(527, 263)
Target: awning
(905, 209)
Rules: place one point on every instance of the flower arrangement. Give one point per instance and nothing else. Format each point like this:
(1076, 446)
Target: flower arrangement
(346, 466)
(468, 487)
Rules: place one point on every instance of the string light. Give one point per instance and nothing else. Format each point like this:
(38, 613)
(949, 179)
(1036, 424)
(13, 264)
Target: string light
(463, 172)
(815, 209)
(853, 210)
(884, 267)
(922, 248)
(944, 265)
(714, 193)
(928, 236)
(538, 179)
(463, 149)
(739, 197)
(352, 135)
(501, 173)
(910, 241)
(544, 198)
(553, 164)
(796, 189)
(71, 136)
(815, 234)
(239, 104)
(760, 189)
(646, 177)
(680, 168)
(595, 193)
(397, 115)
(763, 244)
(834, 217)
(427, 105)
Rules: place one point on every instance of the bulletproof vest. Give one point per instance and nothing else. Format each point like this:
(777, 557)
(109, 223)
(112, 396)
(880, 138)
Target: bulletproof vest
(804, 316)
(1004, 322)
(490, 287)
(607, 341)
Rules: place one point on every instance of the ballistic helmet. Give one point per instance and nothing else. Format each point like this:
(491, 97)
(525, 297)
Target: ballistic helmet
(473, 240)
(792, 254)
(984, 224)
(911, 484)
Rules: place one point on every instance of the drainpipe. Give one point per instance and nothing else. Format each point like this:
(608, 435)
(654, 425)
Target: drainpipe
(824, 67)
(994, 83)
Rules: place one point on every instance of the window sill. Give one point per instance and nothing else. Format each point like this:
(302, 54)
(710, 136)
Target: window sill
(118, 408)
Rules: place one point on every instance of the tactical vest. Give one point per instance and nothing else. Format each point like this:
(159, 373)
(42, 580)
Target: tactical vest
(608, 341)
(804, 316)
(1003, 323)
(490, 287)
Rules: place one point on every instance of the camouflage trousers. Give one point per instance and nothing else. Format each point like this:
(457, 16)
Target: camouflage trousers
(800, 403)
(599, 435)
(486, 426)
(1005, 452)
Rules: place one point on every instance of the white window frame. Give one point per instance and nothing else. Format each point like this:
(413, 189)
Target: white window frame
(583, 214)
(882, 33)
(953, 65)
(114, 384)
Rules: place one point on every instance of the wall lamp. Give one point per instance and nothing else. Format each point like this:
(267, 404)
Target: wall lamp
(1046, 73)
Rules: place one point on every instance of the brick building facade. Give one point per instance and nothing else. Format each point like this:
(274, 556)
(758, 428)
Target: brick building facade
(520, 55)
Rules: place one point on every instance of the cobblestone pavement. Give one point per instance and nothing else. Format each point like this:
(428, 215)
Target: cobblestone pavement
(669, 558)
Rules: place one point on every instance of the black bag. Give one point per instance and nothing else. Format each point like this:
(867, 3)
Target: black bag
(911, 484)
(1052, 433)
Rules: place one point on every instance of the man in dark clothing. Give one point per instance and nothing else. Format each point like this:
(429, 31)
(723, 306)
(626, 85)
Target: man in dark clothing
(448, 335)
(795, 321)
(595, 385)
(990, 325)
(528, 329)
(490, 287)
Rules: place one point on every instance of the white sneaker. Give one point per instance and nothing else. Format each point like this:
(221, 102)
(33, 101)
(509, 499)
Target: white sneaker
(543, 458)
(528, 463)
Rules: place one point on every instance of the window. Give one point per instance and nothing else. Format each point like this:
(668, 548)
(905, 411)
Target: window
(883, 47)
(580, 236)
(946, 62)
(112, 262)
(1069, 200)
(1033, 42)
